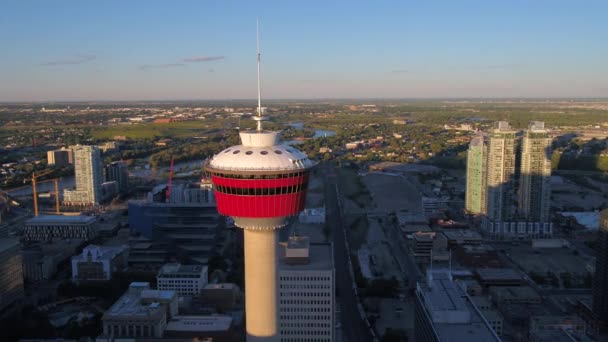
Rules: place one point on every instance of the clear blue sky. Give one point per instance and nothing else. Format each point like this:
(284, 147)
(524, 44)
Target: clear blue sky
(138, 50)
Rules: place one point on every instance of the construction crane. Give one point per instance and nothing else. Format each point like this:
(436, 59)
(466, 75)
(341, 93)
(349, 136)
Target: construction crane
(34, 192)
(168, 194)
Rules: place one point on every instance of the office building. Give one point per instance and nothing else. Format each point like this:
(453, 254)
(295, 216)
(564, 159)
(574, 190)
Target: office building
(118, 172)
(88, 176)
(600, 279)
(535, 177)
(98, 263)
(140, 313)
(58, 158)
(185, 280)
(476, 190)
(41, 260)
(223, 297)
(306, 291)
(500, 172)
(186, 232)
(49, 227)
(11, 272)
(444, 312)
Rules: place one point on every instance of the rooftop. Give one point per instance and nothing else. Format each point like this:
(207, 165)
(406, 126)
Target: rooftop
(489, 274)
(61, 219)
(131, 302)
(199, 323)
(176, 269)
(99, 252)
(453, 315)
(320, 258)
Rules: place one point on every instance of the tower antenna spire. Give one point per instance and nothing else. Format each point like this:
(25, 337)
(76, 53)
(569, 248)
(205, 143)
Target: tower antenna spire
(259, 80)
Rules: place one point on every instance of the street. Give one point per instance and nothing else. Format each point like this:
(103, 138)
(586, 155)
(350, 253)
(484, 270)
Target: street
(353, 326)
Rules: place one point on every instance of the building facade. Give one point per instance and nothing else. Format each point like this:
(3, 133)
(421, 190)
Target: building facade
(98, 263)
(59, 158)
(185, 280)
(88, 176)
(49, 227)
(306, 292)
(11, 272)
(501, 172)
(535, 176)
(118, 172)
(476, 190)
(600, 279)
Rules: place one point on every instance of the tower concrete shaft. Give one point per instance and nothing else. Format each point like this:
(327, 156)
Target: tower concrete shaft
(261, 285)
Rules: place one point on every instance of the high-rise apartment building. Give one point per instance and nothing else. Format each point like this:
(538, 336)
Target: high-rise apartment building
(11, 272)
(501, 172)
(306, 291)
(535, 176)
(88, 175)
(476, 191)
(117, 171)
(600, 279)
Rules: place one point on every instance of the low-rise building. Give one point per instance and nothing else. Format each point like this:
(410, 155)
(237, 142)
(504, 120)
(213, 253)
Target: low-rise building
(444, 312)
(140, 313)
(462, 237)
(99, 263)
(506, 295)
(499, 277)
(49, 227)
(186, 280)
(41, 260)
(567, 323)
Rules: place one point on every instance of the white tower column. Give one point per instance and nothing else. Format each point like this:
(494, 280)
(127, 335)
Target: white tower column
(261, 285)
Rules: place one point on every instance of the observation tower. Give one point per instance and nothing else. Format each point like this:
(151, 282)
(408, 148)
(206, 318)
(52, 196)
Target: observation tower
(260, 184)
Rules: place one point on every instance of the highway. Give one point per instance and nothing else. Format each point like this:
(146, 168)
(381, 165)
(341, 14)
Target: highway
(354, 327)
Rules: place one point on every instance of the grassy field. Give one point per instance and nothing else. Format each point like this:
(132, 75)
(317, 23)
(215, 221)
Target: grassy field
(184, 129)
(353, 188)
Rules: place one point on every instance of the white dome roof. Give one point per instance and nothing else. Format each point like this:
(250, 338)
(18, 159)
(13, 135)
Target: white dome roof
(253, 158)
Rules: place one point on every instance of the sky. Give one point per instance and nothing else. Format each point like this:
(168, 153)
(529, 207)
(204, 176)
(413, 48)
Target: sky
(179, 50)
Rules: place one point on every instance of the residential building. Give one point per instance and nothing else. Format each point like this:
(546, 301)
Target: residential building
(11, 272)
(99, 263)
(118, 172)
(140, 313)
(49, 227)
(600, 279)
(58, 158)
(476, 190)
(535, 177)
(88, 176)
(306, 291)
(501, 172)
(444, 312)
(185, 280)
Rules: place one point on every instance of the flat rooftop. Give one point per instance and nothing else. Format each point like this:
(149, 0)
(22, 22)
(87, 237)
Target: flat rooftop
(498, 274)
(199, 323)
(176, 270)
(320, 258)
(130, 303)
(61, 219)
(454, 317)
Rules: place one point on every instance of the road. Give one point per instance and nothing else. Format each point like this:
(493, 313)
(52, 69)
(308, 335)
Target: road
(354, 328)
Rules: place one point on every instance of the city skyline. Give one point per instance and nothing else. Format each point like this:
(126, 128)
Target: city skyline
(76, 52)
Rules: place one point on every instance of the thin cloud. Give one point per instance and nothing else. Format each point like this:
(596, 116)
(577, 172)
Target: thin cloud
(77, 59)
(161, 66)
(198, 59)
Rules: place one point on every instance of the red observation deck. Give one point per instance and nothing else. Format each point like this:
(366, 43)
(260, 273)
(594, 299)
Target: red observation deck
(260, 178)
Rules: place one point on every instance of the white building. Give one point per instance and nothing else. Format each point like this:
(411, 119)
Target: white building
(306, 291)
(99, 262)
(89, 176)
(185, 280)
